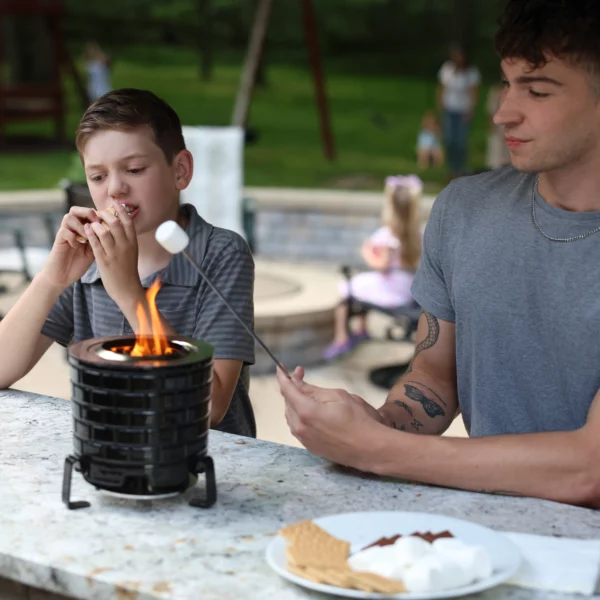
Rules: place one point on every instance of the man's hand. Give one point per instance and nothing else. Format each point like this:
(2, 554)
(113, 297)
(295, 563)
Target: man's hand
(70, 259)
(339, 426)
(116, 253)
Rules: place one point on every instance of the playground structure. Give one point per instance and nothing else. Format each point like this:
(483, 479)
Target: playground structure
(33, 61)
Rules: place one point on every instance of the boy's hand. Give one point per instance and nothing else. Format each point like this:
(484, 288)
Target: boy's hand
(70, 259)
(116, 253)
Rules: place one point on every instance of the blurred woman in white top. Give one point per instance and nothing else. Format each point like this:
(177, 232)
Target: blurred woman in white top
(97, 66)
(458, 94)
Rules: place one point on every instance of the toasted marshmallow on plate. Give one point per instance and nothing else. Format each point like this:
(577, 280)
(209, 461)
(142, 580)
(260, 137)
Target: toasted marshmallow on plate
(392, 560)
(376, 560)
(432, 573)
(424, 567)
(409, 549)
(474, 560)
(452, 564)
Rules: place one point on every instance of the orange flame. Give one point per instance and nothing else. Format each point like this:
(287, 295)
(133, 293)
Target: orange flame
(151, 339)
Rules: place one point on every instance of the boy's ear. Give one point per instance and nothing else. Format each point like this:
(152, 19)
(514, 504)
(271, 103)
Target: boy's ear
(184, 169)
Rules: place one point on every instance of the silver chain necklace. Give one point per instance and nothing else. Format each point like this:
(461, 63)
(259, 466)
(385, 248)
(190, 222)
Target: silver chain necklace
(575, 238)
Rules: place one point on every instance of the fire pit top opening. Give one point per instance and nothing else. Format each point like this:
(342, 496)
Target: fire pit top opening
(115, 352)
(121, 351)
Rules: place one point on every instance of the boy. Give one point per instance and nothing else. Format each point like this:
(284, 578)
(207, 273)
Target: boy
(135, 160)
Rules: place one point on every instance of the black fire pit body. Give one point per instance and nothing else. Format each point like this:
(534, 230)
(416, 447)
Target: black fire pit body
(141, 424)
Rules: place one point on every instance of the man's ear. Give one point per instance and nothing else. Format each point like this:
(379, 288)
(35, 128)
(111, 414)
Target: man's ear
(184, 169)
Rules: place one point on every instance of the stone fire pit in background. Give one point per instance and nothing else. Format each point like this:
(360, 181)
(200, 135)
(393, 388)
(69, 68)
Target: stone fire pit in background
(293, 313)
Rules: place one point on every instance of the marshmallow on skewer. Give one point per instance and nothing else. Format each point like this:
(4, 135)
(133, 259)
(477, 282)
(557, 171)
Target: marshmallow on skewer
(172, 237)
(175, 240)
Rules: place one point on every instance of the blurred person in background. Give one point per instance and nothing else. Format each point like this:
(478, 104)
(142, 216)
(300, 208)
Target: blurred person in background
(392, 253)
(97, 66)
(497, 154)
(457, 97)
(429, 148)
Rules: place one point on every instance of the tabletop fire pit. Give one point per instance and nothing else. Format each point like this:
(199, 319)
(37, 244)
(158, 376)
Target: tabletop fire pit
(141, 416)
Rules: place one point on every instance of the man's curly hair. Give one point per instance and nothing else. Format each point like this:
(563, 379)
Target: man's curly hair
(535, 30)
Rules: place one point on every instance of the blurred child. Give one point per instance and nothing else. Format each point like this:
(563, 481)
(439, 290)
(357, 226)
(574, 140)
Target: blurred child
(393, 253)
(97, 66)
(429, 147)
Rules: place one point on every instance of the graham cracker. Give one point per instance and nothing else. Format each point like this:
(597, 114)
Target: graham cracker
(371, 582)
(112, 210)
(315, 555)
(311, 546)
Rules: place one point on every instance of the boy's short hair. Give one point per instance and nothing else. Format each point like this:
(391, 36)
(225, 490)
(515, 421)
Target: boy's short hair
(127, 109)
(534, 30)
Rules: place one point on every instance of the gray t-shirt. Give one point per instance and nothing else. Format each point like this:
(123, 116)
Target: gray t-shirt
(86, 311)
(526, 309)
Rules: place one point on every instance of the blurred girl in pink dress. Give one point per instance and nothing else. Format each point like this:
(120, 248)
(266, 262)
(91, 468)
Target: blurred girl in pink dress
(392, 253)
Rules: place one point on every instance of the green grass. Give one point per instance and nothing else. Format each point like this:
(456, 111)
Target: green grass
(288, 151)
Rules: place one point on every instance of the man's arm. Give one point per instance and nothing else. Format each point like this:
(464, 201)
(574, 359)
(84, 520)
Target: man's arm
(425, 399)
(559, 466)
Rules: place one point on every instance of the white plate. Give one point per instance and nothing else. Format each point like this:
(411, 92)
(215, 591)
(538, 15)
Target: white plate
(363, 528)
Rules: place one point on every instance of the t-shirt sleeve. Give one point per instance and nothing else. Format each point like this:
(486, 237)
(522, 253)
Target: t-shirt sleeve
(429, 287)
(232, 273)
(474, 77)
(59, 324)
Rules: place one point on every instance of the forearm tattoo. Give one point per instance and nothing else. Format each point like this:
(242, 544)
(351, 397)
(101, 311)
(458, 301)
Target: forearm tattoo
(429, 389)
(399, 427)
(416, 425)
(432, 408)
(433, 333)
(405, 406)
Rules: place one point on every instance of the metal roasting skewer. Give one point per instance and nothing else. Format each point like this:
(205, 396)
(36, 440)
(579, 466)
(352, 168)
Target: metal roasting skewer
(174, 239)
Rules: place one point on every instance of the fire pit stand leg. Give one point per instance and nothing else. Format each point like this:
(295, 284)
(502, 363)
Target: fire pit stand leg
(207, 466)
(70, 462)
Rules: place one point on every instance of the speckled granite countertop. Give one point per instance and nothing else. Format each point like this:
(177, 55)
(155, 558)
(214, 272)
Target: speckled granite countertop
(166, 549)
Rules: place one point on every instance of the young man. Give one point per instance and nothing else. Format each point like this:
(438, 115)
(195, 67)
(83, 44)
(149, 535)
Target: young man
(510, 293)
(135, 160)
